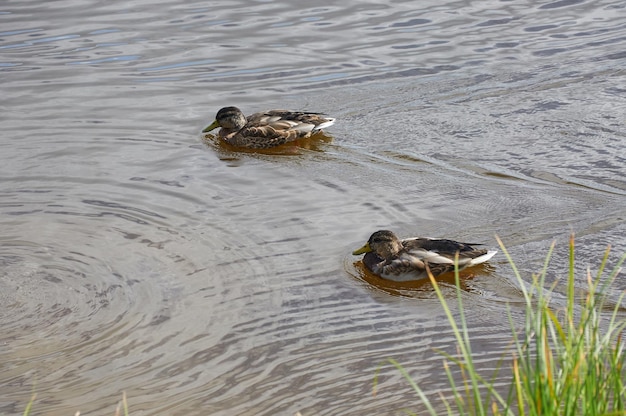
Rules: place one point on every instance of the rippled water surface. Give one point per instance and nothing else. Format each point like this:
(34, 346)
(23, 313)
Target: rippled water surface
(136, 256)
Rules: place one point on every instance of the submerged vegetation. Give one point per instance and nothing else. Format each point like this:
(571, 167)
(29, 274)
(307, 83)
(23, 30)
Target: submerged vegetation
(566, 360)
(121, 409)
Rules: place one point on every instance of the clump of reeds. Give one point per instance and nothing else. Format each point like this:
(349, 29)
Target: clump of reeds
(564, 361)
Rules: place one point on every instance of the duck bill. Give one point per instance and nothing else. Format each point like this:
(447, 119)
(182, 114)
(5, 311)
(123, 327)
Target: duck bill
(365, 249)
(212, 126)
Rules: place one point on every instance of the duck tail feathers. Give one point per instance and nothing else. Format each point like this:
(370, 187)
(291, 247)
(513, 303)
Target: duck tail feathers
(329, 122)
(483, 258)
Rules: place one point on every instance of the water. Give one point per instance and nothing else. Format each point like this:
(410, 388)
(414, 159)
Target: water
(137, 257)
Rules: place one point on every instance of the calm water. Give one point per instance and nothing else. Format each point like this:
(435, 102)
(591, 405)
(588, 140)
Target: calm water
(137, 257)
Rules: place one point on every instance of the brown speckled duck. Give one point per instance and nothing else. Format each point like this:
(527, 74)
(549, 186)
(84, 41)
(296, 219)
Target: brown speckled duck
(403, 260)
(266, 129)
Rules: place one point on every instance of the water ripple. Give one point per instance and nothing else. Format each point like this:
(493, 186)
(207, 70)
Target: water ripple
(137, 257)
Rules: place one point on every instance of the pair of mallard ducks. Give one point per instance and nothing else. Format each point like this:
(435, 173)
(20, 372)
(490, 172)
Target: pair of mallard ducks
(385, 254)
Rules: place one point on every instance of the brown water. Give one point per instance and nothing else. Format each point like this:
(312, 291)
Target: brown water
(136, 257)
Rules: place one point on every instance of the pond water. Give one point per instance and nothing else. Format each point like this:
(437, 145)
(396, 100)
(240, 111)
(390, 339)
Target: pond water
(136, 256)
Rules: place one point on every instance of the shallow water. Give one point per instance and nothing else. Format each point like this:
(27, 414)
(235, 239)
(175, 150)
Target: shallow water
(138, 257)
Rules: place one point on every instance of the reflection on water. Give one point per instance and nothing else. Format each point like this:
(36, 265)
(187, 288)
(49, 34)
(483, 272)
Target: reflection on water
(139, 256)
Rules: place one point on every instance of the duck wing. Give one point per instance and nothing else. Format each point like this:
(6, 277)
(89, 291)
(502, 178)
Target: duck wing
(440, 245)
(291, 120)
(443, 252)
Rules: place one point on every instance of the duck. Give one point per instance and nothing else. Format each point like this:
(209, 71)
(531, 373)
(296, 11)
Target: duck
(390, 258)
(266, 129)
